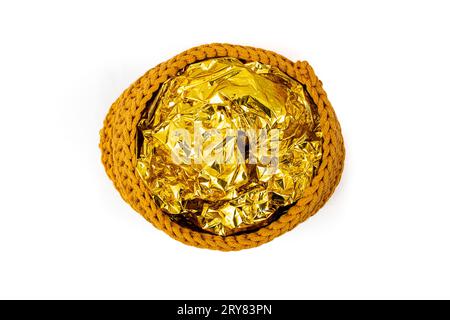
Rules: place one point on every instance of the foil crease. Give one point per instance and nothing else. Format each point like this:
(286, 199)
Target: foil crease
(225, 145)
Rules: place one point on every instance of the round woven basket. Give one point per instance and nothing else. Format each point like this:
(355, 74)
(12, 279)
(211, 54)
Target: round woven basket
(118, 146)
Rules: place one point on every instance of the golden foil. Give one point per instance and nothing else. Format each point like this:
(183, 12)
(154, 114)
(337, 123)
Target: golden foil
(226, 144)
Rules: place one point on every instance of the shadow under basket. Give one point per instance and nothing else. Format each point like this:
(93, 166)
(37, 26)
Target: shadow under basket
(118, 147)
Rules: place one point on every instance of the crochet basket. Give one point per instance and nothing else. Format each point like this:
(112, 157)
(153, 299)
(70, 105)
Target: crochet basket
(118, 147)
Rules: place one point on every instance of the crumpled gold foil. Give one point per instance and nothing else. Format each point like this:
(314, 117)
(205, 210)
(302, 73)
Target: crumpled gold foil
(224, 145)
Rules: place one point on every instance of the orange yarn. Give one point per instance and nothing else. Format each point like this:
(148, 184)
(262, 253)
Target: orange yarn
(118, 146)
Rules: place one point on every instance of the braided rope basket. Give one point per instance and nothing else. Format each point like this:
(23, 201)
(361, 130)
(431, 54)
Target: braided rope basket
(118, 146)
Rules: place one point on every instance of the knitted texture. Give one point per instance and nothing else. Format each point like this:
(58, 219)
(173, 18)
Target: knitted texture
(118, 146)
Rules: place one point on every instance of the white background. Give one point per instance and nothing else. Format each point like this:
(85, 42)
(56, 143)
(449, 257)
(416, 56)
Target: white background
(66, 233)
